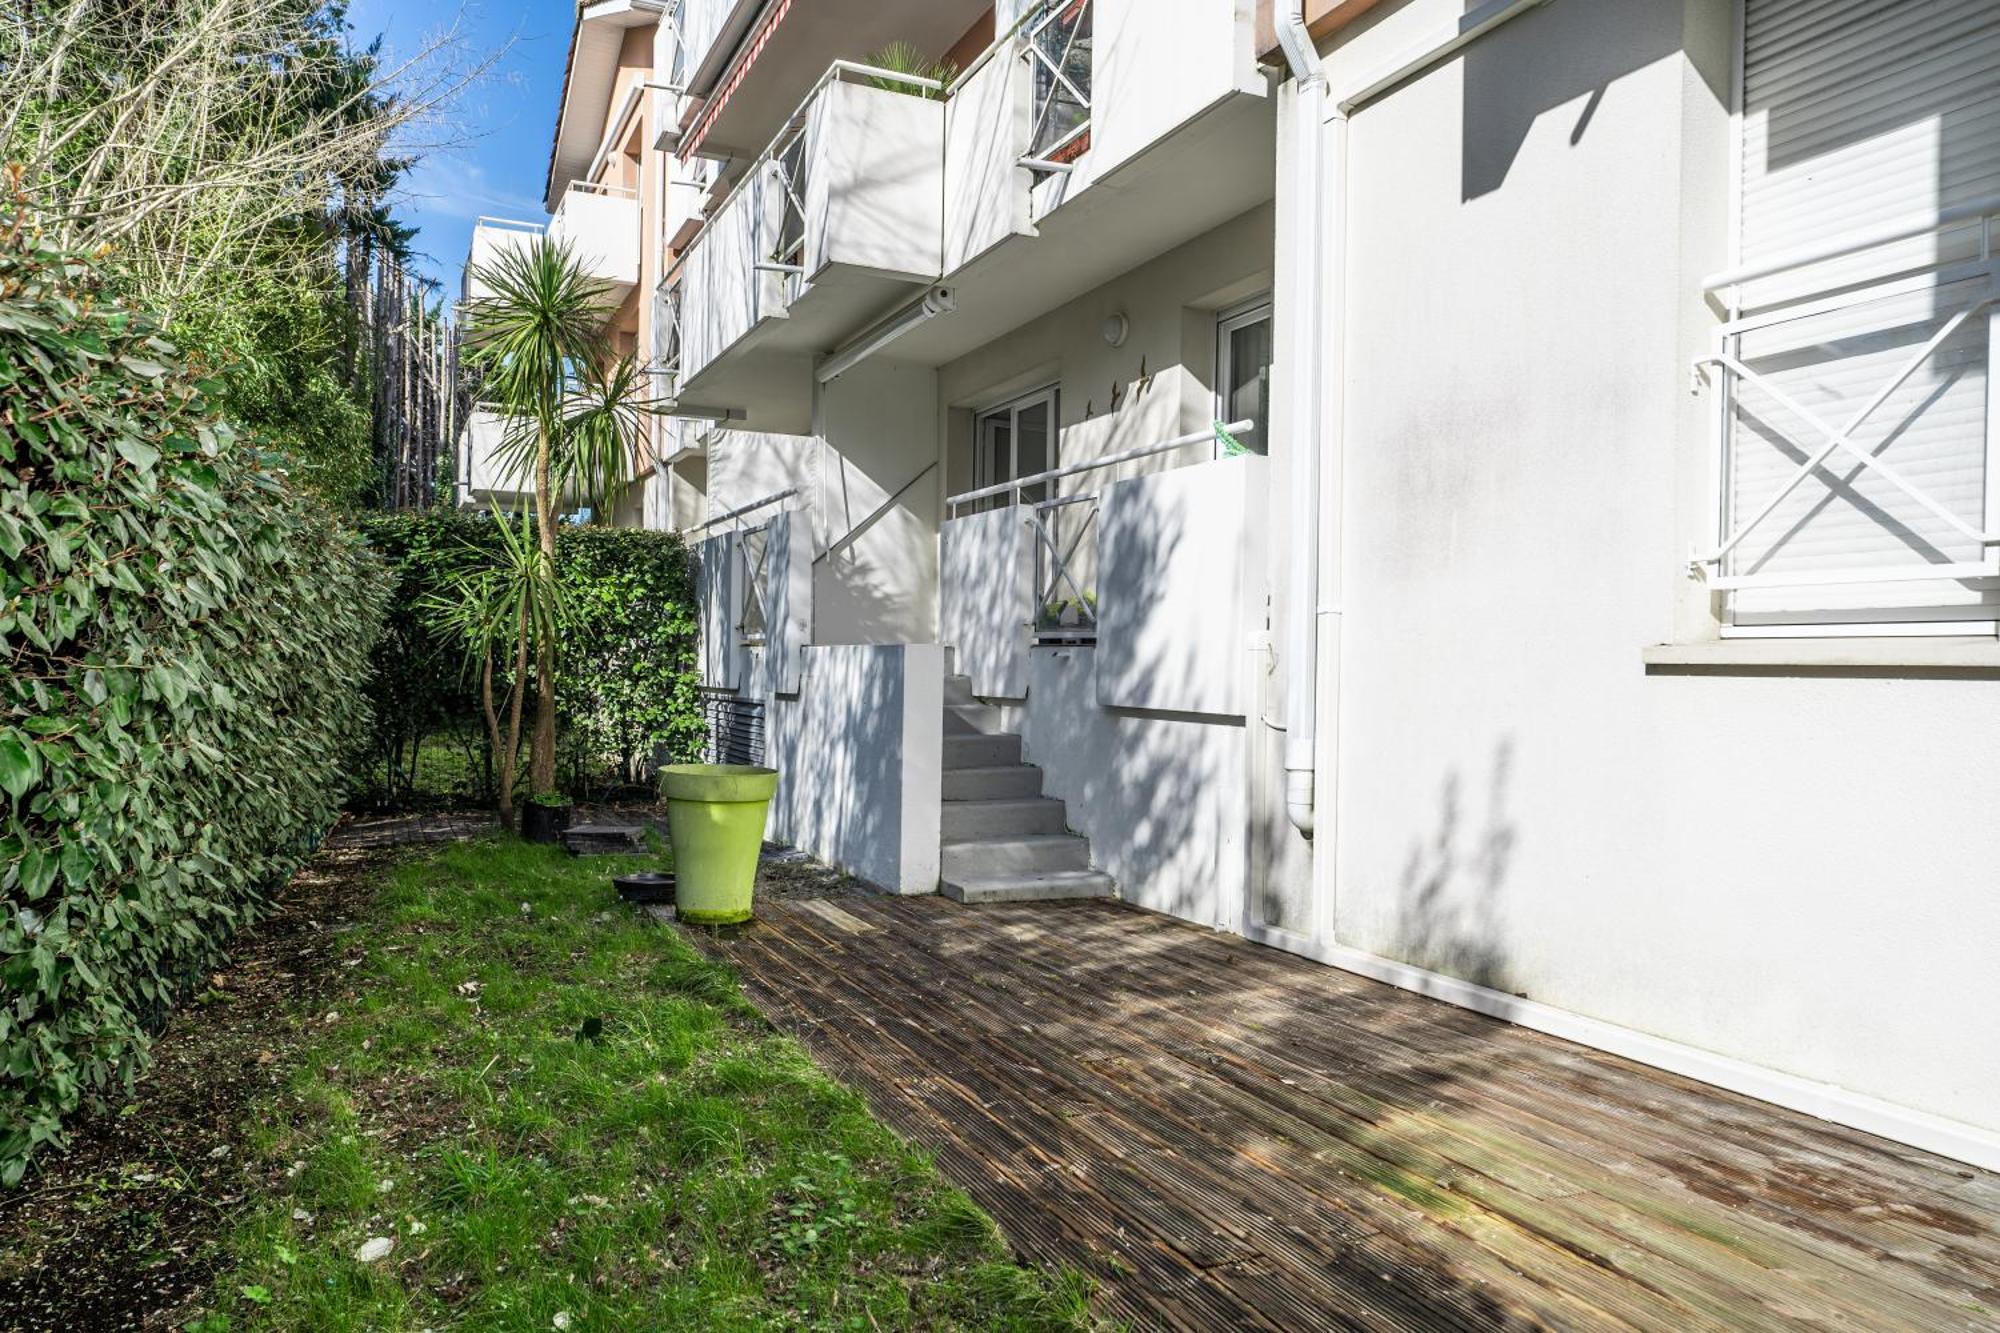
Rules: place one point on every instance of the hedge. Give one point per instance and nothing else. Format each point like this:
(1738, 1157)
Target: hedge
(183, 641)
(628, 691)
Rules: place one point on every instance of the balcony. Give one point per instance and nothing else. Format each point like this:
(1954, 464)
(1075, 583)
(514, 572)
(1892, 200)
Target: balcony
(485, 480)
(748, 67)
(1145, 568)
(601, 223)
(492, 238)
(839, 220)
(1091, 137)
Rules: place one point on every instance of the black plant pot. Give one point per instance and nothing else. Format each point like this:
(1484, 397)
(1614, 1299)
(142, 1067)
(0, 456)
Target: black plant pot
(648, 887)
(544, 823)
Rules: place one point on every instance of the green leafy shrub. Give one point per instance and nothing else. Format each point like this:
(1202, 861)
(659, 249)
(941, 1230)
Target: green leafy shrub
(183, 642)
(419, 690)
(629, 687)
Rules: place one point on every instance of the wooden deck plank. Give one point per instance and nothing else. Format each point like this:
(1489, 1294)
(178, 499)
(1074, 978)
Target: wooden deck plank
(1228, 1136)
(1906, 1270)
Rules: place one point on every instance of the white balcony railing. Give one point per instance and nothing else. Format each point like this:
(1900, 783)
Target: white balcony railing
(1064, 529)
(853, 177)
(601, 223)
(1820, 334)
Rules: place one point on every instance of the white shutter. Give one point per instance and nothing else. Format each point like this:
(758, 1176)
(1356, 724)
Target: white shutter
(1858, 113)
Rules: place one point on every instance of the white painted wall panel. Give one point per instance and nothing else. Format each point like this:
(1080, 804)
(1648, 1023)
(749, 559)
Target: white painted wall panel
(1162, 799)
(986, 602)
(985, 133)
(1156, 64)
(724, 297)
(874, 195)
(1171, 587)
(789, 584)
(858, 754)
(719, 590)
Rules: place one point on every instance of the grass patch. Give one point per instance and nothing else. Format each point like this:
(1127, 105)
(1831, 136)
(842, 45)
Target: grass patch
(563, 1116)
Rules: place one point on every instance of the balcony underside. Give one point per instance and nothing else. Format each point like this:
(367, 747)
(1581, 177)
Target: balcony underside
(767, 373)
(797, 52)
(1214, 168)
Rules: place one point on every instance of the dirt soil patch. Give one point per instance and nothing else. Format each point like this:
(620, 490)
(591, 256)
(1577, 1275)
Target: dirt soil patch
(128, 1224)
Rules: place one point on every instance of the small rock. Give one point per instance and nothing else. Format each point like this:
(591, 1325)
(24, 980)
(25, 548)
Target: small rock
(417, 1228)
(561, 1320)
(374, 1249)
(333, 1015)
(384, 1185)
(527, 909)
(219, 1151)
(301, 1215)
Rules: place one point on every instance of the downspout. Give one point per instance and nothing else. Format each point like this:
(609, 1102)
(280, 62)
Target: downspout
(1308, 369)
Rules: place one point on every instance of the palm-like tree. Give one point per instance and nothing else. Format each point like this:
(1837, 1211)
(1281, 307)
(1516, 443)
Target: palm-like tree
(496, 607)
(537, 337)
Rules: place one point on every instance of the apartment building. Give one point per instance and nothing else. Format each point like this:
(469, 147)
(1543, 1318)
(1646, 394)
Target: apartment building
(1495, 496)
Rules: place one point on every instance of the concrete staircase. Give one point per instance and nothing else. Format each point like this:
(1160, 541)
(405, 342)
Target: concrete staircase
(1004, 842)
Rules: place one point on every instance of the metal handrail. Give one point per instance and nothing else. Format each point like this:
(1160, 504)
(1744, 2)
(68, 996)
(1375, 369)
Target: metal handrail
(514, 224)
(1901, 229)
(598, 187)
(1019, 484)
(752, 507)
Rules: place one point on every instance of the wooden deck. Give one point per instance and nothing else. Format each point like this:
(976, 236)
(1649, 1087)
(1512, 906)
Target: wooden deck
(1225, 1136)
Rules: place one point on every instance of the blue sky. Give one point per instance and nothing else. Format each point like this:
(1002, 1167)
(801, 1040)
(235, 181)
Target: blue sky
(493, 152)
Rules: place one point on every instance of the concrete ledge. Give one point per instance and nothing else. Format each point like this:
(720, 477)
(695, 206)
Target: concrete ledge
(1961, 654)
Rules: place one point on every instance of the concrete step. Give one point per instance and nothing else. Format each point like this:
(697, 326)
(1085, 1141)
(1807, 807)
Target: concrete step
(1027, 854)
(997, 819)
(973, 720)
(1007, 782)
(981, 751)
(1061, 884)
(958, 690)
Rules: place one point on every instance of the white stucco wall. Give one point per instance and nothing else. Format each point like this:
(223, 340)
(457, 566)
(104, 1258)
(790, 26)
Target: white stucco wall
(858, 752)
(1792, 868)
(1161, 797)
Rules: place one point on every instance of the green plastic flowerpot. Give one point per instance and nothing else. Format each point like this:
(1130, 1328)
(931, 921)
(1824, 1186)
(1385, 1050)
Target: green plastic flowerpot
(716, 815)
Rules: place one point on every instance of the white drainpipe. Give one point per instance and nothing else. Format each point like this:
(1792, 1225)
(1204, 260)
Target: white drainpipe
(1314, 360)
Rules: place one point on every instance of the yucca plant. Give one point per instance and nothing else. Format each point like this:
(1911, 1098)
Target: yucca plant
(905, 58)
(508, 604)
(538, 338)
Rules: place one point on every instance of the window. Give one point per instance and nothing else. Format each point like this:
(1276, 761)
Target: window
(1016, 439)
(1243, 370)
(1856, 471)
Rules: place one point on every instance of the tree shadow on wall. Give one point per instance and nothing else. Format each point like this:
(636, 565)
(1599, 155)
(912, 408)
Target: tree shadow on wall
(1454, 879)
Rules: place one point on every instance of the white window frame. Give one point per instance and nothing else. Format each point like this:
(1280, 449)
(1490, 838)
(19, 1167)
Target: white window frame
(982, 468)
(1824, 624)
(1242, 315)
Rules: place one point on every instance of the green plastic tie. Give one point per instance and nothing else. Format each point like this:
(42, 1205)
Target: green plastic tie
(1231, 446)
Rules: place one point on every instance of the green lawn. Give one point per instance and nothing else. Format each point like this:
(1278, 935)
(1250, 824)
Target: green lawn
(563, 1116)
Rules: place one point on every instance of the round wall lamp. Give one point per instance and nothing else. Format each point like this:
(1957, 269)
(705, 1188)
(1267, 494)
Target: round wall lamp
(1115, 329)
